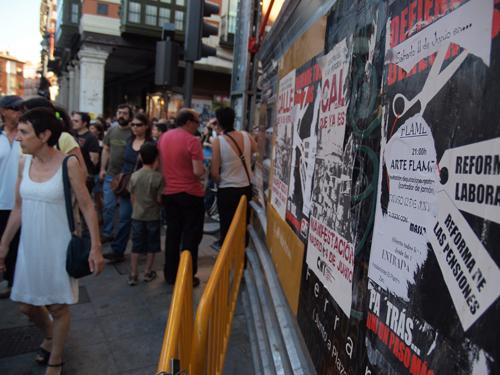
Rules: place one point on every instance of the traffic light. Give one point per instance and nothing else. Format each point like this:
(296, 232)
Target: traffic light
(167, 60)
(167, 57)
(197, 28)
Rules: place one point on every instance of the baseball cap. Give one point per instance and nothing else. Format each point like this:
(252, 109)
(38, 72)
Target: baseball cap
(10, 102)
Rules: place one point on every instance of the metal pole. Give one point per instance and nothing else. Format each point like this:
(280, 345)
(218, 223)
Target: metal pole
(253, 75)
(188, 83)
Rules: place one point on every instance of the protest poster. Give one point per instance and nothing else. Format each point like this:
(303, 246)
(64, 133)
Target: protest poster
(307, 100)
(330, 249)
(433, 254)
(282, 148)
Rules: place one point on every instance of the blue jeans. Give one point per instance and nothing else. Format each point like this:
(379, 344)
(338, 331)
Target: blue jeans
(109, 203)
(119, 244)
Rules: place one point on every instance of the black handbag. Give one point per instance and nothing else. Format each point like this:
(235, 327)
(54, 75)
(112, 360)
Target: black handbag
(77, 257)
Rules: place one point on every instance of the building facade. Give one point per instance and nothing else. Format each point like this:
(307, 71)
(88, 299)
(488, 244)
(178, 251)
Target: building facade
(105, 55)
(11, 75)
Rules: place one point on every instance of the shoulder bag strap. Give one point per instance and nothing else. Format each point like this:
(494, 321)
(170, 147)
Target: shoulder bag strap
(67, 194)
(241, 157)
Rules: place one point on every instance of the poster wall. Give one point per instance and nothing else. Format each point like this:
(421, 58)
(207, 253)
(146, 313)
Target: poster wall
(434, 279)
(388, 173)
(342, 197)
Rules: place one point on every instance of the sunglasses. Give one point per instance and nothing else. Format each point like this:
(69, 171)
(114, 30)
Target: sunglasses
(138, 124)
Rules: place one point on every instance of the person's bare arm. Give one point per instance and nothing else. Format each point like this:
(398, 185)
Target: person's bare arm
(104, 161)
(78, 153)
(253, 144)
(77, 181)
(215, 167)
(14, 221)
(198, 168)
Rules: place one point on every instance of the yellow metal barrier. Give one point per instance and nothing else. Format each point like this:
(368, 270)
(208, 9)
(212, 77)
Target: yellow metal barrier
(218, 302)
(178, 334)
(202, 349)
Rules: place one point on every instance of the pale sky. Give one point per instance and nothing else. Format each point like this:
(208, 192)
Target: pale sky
(20, 29)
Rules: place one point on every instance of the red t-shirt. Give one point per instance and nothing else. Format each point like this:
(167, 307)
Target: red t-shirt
(178, 148)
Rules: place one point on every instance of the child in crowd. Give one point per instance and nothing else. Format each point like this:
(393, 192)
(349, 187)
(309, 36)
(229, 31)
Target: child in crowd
(145, 186)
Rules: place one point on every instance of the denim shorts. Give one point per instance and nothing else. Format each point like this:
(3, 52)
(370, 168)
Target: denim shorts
(146, 236)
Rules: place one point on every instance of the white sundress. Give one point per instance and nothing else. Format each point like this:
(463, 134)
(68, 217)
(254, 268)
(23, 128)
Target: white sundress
(41, 278)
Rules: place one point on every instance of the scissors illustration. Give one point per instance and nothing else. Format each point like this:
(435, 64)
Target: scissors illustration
(436, 79)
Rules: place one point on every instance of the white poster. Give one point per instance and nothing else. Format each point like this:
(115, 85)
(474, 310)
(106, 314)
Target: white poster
(330, 251)
(465, 26)
(283, 143)
(399, 244)
(472, 174)
(471, 275)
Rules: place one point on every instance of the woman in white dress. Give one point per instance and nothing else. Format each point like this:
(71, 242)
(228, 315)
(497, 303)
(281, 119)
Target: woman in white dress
(41, 285)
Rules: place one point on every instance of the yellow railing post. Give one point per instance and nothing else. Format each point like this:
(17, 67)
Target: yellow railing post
(178, 333)
(215, 312)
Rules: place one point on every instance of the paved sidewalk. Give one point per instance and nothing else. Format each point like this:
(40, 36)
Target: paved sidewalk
(115, 328)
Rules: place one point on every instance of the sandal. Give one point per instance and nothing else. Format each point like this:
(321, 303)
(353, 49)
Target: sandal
(57, 365)
(43, 355)
(148, 276)
(132, 280)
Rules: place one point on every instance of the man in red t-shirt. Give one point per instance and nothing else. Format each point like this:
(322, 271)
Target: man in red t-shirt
(181, 158)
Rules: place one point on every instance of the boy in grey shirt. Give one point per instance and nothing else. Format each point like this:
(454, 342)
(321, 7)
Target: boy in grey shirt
(145, 186)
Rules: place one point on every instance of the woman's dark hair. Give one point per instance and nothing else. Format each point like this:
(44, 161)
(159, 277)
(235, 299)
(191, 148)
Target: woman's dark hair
(148, 152)
(84, 116)
(41, 102)
(144, 119)
(44, 119)
(225, 118)
(100, 129)
(161, 126)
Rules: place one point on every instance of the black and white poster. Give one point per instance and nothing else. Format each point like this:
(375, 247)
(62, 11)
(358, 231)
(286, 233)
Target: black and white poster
(307, 101)
(282, 150)
(434, 275)
(330, 249)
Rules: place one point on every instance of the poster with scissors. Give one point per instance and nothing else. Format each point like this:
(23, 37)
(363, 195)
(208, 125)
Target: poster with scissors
(433, 270)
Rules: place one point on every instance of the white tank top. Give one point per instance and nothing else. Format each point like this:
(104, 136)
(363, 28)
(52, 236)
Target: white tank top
(232, 171)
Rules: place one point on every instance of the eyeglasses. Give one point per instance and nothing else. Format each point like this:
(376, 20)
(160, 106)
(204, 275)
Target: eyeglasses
(138, 124)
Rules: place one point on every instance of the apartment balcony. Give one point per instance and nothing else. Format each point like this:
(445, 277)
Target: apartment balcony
(68, 19)
(227, 30)
(146, 17)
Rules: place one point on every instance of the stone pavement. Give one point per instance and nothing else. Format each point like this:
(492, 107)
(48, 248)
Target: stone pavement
(115, 328)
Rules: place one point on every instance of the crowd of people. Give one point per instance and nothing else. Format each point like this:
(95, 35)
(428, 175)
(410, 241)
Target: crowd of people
(152, 172)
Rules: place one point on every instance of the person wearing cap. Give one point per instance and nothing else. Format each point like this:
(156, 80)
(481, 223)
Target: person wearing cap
(10, 153)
